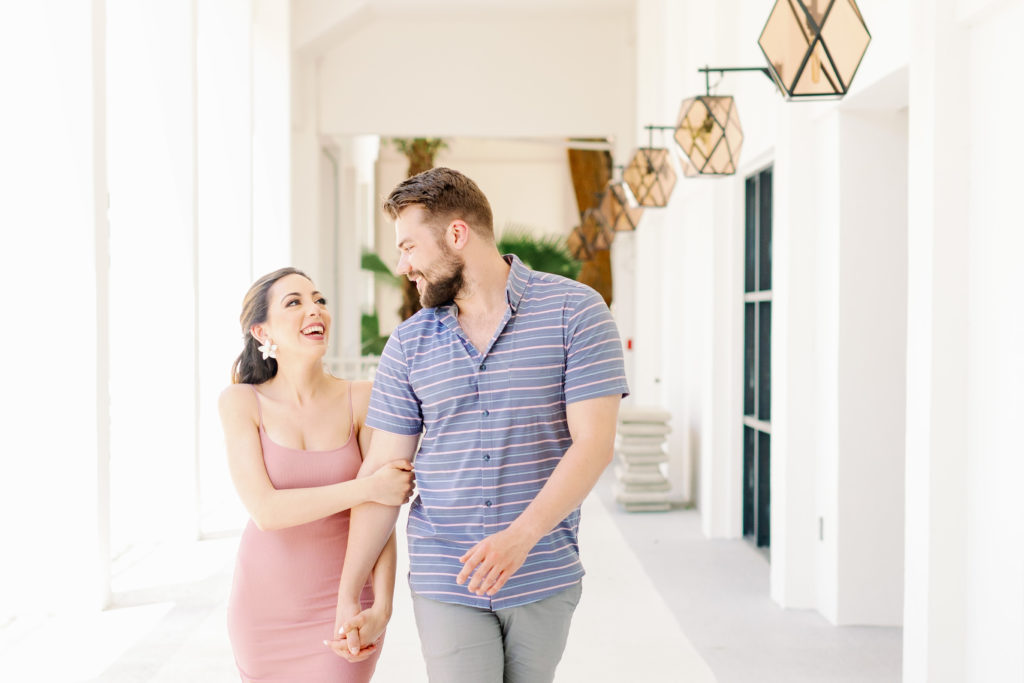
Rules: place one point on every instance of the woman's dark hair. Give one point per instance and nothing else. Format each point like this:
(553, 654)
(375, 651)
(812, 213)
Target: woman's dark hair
(249, 367)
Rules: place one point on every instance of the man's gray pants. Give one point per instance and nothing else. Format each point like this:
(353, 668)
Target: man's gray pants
(523, 644)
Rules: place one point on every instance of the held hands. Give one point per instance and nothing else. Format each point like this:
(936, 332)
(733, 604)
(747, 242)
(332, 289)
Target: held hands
(357, 633)
(495, 559)
(392, 484)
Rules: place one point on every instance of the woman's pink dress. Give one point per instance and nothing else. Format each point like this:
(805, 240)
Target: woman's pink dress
(285, 588)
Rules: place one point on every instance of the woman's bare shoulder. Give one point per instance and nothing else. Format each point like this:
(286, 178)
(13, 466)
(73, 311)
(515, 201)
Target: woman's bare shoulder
(236, 397)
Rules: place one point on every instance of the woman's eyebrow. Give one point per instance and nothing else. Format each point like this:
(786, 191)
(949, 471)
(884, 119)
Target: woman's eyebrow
(290, 294)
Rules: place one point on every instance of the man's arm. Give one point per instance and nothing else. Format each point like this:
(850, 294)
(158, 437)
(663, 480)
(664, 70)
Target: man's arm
(496, 558)
(370, 526)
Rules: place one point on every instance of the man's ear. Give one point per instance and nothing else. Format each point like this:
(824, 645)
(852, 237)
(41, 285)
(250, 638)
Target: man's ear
(457, 234)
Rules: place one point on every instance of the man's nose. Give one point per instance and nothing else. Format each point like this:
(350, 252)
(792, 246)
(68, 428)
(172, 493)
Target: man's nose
(403, 267)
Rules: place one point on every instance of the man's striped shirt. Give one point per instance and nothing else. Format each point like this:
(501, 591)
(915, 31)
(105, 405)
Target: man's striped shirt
(494, 426)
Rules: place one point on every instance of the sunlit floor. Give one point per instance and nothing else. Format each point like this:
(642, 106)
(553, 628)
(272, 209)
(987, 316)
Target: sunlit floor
(660, 603)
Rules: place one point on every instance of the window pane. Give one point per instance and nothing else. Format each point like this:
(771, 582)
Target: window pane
(764, 476)
(749, 369)
(749, 444)
(765, 230)
(764, 361)
(751, 221)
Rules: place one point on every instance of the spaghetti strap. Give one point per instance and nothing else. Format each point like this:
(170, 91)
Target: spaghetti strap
(351, 412)
(259, 408)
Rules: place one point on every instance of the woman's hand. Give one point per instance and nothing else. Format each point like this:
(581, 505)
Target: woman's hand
(358, 636)
(392, 484)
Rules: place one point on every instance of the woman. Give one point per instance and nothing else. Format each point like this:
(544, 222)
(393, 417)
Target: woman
(294, 436)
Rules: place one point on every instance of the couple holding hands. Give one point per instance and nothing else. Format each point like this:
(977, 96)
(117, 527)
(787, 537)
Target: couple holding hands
(504, 388)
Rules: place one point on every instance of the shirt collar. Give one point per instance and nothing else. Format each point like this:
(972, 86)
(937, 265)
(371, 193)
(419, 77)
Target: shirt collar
(518, 276)
(515, 287)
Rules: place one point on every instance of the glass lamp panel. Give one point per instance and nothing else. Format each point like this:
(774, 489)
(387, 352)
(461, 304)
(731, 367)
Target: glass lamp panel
(818, 77)
(846, 38)
(694, 129)
(721, 161)
(785, 40)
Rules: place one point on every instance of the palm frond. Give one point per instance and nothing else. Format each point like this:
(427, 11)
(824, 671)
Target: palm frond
(547, 253)
(375, 264)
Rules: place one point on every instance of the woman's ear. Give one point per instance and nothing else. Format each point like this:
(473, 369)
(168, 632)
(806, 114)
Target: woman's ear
(258, 333)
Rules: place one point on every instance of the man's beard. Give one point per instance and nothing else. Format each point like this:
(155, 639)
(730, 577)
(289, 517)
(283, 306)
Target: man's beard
(447, 286)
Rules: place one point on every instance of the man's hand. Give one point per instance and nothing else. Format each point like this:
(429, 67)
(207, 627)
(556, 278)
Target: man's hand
(495, 559)
(365, 629)
(346, 642)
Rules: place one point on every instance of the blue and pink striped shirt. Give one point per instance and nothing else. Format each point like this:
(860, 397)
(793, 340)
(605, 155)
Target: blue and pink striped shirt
(494, 426)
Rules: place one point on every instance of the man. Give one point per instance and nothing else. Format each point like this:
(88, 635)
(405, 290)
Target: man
(514, 379)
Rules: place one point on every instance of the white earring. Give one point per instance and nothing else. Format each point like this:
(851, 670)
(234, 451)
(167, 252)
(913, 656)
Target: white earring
(268, 349)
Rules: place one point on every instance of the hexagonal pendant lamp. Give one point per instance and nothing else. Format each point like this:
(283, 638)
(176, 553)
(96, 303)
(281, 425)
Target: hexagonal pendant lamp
(709, 134)
(650, 175)
(813, 48)
(616, 210)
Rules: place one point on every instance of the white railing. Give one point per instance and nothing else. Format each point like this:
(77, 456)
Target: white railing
(357, 368)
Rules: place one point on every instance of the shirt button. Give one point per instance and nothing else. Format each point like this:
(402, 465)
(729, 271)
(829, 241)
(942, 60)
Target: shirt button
(486, 413)
(487, 456)
(483, 366)
(487, 503)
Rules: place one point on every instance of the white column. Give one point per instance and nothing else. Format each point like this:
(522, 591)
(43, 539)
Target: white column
(224, 199)
(53, 496)
(995, 330)
(934, 630)
(805, 179)
(871, 351)
(309, 178)
(271, 135)
(151, 142)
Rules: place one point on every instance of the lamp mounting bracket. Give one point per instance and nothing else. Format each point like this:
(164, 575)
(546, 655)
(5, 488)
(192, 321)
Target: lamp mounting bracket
(650, 133)
(706, 70)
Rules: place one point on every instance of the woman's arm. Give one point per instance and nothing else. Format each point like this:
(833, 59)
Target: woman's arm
(277, 509)
(372, 621)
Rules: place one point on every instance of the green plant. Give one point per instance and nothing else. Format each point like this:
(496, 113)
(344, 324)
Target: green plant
(546, 253)
(372, 342)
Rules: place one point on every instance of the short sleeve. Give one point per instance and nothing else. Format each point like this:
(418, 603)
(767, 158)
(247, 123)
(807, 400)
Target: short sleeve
(593, 361)
(394, 407)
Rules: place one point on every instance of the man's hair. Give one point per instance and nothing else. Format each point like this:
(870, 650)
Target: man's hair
(445, 195)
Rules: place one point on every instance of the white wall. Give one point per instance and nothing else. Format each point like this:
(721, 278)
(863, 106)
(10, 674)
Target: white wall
(427, 73)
